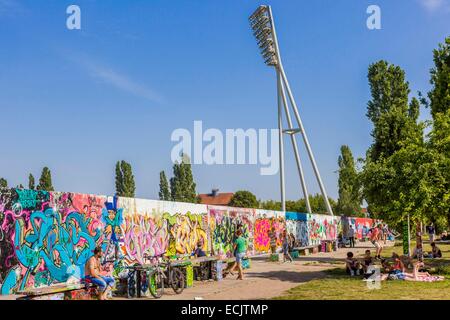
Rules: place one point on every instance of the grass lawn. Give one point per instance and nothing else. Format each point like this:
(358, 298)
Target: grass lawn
(337, 285)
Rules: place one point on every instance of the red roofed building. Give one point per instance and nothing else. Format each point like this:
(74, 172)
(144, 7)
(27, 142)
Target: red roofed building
(216, 198)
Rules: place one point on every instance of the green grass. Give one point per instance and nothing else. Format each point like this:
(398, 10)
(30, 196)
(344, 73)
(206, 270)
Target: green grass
(337, 285)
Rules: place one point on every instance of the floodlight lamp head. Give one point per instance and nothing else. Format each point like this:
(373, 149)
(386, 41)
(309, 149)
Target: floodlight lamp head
(262, 26)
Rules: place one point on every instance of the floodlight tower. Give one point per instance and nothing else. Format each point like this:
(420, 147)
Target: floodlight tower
(263, 26)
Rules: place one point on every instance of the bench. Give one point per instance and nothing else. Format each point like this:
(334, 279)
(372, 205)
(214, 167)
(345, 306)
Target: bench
(306, 250)
(60, 291)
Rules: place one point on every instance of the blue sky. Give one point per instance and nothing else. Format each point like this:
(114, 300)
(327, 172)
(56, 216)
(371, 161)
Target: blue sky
(78, 101)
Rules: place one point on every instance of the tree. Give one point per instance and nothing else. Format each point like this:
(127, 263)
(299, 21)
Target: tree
(439, 137)
(392, 185)
(243, 199)
(316, 201)
(31, 182)
(45, 181)
(350, 199)
(182, 185)
(125, 186)
(440, 79)
(3, 183)
(164, 192)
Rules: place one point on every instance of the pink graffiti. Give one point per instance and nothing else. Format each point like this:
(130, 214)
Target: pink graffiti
(143, 235)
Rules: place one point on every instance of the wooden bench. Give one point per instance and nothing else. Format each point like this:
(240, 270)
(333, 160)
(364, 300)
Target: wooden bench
(58, 291)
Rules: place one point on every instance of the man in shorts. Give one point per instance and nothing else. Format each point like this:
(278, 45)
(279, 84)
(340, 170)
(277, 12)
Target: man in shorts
(375, 238)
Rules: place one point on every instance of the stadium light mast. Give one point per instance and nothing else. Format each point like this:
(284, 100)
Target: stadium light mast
(263, 26)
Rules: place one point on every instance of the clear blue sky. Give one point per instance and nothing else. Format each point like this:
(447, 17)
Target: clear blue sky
(78, 101)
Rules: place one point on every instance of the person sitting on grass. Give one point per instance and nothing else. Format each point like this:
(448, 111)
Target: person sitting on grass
(435, 251)
(368, 261)
(396, 271)
(352, 265)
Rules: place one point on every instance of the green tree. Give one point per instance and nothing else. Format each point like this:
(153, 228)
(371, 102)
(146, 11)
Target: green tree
(3, 183)
(45, 181)
(390, 186)
(182, 185)
(164, 192)
(125, 186)
(439, 137)
(244, 199)
(350, 198)
(31, 182)
(316, 201)
(440, 80)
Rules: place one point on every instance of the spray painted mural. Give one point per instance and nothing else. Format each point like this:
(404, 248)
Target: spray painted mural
(360, 225)
(297, 226)
(223, 223)
(311, 229)
(46, 237)
(265, 220)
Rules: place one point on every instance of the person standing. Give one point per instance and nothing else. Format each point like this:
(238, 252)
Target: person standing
(431, 232)
(351, 236)
(375, 239)
(273, 240)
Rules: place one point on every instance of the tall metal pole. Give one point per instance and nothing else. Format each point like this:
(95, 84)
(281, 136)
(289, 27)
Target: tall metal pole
(280, 142)
(295, 146)
(280, 70)
(305, 139)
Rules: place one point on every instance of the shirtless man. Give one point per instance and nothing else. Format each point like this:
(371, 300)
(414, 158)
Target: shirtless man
(375, 238)
(92, 271)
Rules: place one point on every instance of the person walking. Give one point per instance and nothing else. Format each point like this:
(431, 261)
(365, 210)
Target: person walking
(286, 247)
(351, 236)
(240, 247)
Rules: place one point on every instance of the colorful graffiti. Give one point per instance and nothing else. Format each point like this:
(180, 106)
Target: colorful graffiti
(185, 232)
(224, 222)
(53, 235)
(360, 225)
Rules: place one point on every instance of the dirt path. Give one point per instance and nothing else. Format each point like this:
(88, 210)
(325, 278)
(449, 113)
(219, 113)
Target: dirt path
(267, 279)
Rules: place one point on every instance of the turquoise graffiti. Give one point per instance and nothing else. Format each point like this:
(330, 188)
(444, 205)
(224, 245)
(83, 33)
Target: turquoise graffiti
(50, 249)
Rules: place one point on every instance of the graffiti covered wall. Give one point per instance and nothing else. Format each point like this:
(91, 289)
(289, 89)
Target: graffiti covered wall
(360, 225)
(311, 229)
(46, 237)
(265, 220)
(223, 223)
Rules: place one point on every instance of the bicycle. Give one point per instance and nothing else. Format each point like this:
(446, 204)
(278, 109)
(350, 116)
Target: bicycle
(156, 276)
(175, 277)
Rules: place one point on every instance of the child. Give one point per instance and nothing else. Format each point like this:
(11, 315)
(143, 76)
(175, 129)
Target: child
(368, 261)
(352, 264)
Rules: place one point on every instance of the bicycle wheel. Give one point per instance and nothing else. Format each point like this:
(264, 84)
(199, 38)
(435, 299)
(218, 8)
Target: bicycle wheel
(177, 280)
(156, 284)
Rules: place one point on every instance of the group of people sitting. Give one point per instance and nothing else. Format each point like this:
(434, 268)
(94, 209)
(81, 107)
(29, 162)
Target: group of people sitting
(393, 268)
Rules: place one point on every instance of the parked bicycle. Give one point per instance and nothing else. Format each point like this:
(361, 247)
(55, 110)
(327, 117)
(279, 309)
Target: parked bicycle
(164, 273)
